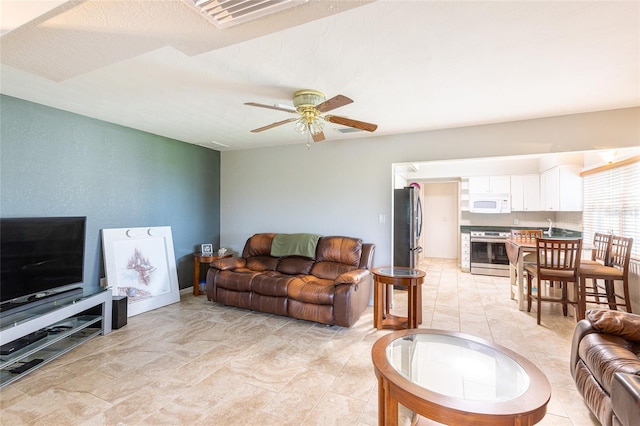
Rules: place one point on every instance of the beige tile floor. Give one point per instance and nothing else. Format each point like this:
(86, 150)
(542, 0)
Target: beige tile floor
(197, 363)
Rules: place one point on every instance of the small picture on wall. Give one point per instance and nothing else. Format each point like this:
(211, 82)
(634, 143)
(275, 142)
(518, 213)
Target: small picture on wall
(140, 264)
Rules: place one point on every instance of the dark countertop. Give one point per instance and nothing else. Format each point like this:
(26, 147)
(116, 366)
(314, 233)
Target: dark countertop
(556, 232)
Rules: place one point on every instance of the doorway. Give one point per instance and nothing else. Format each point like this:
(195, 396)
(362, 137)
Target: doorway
(440, 229)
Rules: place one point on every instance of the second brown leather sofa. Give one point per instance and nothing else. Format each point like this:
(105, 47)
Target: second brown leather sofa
(605, 364)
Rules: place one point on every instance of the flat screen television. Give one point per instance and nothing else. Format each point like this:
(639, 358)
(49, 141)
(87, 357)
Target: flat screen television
(40, 255)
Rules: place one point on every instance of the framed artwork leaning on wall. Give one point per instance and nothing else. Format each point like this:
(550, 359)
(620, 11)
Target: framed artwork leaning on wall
(140, 263)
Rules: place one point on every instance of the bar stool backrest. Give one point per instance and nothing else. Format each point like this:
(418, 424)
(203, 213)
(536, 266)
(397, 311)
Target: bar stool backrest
(601, 248)
(526, 234)
(558, 258)
(620, 253)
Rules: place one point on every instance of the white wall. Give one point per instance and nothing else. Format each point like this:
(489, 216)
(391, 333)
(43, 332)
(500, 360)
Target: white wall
(340, 187)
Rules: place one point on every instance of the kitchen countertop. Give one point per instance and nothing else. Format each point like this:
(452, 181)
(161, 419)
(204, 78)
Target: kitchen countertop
(555, 232)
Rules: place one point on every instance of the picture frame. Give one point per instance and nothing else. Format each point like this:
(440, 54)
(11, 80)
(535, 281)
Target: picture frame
(140, 263)
(206, 249)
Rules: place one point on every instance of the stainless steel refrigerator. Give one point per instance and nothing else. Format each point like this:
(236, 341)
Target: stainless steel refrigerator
(407, 226)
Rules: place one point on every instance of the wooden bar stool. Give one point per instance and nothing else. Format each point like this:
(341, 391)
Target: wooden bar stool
(617, 269)
(599, 256)
(527, 235)
(558, 261)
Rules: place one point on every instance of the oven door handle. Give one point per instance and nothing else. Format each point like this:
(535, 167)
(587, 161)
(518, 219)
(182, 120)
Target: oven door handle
(488, 240)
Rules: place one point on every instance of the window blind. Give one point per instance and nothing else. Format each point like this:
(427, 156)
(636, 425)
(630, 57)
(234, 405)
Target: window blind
(612, 204)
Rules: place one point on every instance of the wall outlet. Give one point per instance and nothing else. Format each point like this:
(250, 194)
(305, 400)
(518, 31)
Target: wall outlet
(516, 221)
(382, 218)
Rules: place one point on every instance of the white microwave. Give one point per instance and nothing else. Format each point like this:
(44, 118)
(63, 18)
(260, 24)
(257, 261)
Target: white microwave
(490, 203)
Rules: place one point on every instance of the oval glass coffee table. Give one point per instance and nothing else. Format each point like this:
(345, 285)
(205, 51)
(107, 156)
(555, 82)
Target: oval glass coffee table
(454, 378)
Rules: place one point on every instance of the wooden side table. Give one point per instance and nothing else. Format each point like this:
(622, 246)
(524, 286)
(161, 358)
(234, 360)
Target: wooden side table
(383, 279)
(199, 258)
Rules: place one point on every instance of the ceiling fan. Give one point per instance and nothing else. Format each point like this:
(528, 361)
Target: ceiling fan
(309, 105)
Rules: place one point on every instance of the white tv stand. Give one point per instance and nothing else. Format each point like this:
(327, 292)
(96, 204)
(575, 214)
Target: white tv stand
(65, 331)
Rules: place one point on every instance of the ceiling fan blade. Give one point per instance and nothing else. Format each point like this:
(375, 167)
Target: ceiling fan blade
(318, 137)
(272, 125)
(369, 127)
(292, 110)
(333, 103)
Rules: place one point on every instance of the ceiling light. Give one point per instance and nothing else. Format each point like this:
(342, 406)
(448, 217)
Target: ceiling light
(608, 156)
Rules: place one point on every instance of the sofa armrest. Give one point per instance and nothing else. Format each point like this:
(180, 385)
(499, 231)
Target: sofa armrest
(625, 398)
(227, 263)
(366, 259)
(353, 277)
(583, 327)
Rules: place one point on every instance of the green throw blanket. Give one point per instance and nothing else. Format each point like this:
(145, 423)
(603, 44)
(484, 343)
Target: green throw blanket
(294, 245)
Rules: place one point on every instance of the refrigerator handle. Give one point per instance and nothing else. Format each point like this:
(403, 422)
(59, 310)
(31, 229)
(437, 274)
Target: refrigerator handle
(419, 218)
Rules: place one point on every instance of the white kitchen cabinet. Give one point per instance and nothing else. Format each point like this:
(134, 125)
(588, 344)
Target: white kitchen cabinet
(525, 193)
(561, 189)
(464, 195)
(489, 185)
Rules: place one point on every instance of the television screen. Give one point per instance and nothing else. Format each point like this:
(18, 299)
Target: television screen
(40, 254)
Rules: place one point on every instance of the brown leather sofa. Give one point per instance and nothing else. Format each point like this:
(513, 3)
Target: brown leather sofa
(605, 365)
(333, 287)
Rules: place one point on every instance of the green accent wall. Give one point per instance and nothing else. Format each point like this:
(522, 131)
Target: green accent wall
(56, 163)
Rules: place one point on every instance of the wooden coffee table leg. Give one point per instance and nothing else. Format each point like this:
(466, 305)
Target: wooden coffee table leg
(381, 401)
(387, 405)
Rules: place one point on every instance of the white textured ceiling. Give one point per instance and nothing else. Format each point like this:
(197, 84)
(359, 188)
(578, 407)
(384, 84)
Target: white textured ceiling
(161, 67)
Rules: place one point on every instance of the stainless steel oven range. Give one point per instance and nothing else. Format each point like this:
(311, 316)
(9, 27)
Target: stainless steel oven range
(489, 253)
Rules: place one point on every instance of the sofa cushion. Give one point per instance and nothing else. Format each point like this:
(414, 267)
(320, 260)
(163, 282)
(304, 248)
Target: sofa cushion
(271, 284)
(335, 256)
(615, 322)
(258, 245)
(310, 289)
(606, 354)
(295, 265)
(262, 263)
(236, 280)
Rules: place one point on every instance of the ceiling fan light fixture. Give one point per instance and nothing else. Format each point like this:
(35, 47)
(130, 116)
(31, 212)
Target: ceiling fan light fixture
(301, 126)
(315, 127)
(310, 105)
(307, 98)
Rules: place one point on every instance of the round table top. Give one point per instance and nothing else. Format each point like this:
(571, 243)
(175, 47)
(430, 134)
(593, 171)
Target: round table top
(399, 272)
(463, 375)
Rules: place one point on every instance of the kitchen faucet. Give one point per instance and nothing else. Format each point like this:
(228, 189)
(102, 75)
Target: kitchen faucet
(548, 231)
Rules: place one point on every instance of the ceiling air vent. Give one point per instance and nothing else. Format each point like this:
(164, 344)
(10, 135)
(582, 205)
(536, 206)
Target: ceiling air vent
(227, 13)
(347, 130)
